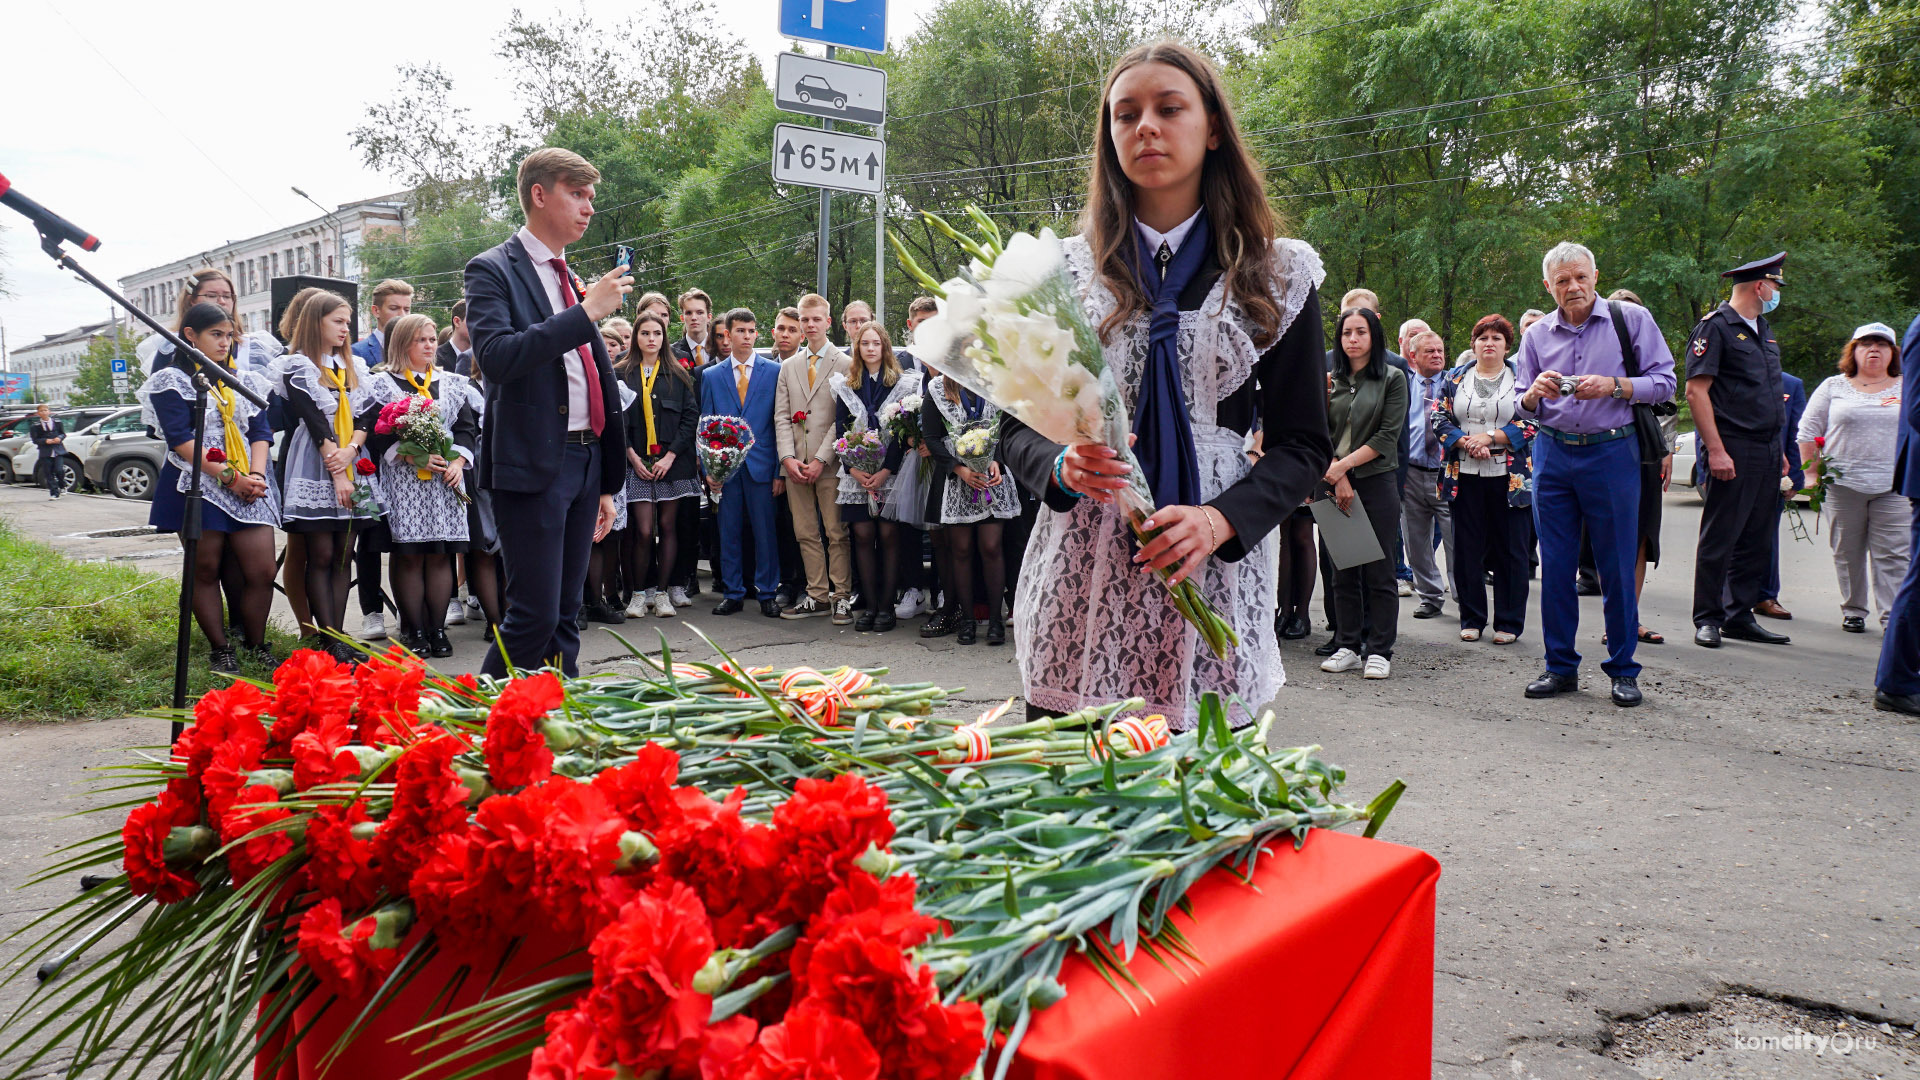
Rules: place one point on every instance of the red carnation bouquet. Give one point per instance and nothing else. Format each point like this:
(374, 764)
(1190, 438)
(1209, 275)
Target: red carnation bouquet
(422, 431)
(722, 442)
(740, 880)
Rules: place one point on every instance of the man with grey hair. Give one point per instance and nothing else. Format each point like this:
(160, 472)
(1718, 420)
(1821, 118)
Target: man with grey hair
(1529, 317)
(1407, 330)
(1422, 510)
(1574, 380)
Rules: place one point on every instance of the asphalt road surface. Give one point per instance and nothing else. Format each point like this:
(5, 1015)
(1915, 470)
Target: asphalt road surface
(1671, 891)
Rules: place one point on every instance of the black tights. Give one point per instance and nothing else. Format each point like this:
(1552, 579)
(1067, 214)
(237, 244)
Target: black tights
(876, 550)
(605, 552)
(483, 583)
(993, 564)
(422, 588)
(329, 569)
(943, 566)
(250, 552)
(233, 584)
(1299, 565)
(641, 551)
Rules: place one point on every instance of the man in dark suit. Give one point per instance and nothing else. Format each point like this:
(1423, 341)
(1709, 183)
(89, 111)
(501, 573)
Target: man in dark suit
(744, 385)
(456, 353)
(49, 435)
(696, 324)
(1897, 683)
(1769, 604)
(552, 451)
(392, 298)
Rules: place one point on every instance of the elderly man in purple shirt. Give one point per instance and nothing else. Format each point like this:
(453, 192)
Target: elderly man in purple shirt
(1586, 460)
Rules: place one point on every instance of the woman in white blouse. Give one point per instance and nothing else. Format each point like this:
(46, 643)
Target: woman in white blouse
(1489, 480)
(1852, 423)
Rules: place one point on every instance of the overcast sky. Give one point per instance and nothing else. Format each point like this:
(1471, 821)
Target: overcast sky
(269, 90)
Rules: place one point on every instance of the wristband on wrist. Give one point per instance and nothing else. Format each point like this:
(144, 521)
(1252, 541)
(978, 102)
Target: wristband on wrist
(1060, 481)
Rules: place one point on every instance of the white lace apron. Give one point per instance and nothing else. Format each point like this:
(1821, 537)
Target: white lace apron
(958, 503)
(264, 510)
(849, 492)
(1089, 627)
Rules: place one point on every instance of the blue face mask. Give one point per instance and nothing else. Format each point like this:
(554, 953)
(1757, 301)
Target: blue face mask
(1770, 302)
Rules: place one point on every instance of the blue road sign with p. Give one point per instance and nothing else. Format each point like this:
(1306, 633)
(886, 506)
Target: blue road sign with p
(119, 365)
(850, 24)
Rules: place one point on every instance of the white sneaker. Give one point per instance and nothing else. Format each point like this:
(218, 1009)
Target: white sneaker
(663, 606)
(641, 605)
(1343, 660)
(679, 597)
(473, 605)
(456, 613)
(1378, 668)
(912, 603)
(1405, 587)
(373, 627)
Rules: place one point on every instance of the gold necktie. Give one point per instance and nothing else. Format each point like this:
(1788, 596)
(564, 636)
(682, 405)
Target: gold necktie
(740, 379)
(343, 412)
(812, 358)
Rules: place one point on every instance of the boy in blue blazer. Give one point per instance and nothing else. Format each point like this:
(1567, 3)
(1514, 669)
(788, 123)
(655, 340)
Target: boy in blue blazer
(743, 385)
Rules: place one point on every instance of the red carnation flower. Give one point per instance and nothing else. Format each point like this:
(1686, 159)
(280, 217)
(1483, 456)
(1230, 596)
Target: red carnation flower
(800, 417)
(1820, 440)
(309, 688)
(875, 984)
(215, 455)
(480, 880)
(144, 839)
(643, 969)
(231, 713)
(578, 847)
(340, 864)
(809, 1044)
(517, 754)
(876, 910)
(320, 756)
(642, 790)
(254, 808)
(365, 467)
(574, 1050)
(227, 775)
(341, 956)
(387, 697)
(428, 802)
(822, 829)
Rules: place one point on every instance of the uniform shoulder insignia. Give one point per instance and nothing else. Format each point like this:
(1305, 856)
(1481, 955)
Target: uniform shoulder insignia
(1739, 337)
(1700, 346)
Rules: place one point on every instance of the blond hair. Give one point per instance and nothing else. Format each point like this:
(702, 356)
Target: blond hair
(400, 338)
(306, 338)
(389, 287)
(889, 363)
(548, 164)
(1361, 298)
(291, 316)
(814, 300)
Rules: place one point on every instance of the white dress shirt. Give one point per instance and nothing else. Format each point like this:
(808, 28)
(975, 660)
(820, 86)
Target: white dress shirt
(697, 352)
(1172, 237)
(578, 419)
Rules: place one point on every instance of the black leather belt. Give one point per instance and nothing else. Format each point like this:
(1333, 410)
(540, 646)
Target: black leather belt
(584, 435)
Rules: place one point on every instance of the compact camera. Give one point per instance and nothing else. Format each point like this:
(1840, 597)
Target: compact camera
(1567, 384)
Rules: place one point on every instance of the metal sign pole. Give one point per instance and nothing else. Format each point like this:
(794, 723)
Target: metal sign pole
(880, 247)
(826, 212)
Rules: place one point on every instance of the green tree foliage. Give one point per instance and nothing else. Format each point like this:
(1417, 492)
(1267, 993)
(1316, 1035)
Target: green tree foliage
(1431, 150)
(93, 381)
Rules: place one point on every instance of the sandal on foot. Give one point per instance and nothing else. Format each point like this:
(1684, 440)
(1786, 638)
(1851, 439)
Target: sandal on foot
(1469, 633)
(1501, 637)
(1651, 638)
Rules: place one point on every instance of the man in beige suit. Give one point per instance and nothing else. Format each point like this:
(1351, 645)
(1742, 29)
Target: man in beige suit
(803, 413)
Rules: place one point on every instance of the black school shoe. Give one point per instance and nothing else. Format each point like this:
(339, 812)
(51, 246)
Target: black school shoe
(938, 624)
(966, 632)
(1328, 649)
(223, 661)
(996, 632)
(438, 645)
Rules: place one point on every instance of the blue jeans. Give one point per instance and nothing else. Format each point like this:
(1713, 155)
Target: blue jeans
(1597, 486)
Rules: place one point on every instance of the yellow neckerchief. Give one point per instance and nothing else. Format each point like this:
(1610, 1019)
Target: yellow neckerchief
(420, 385)
(343, 415)
(647, 376)
(239, 453)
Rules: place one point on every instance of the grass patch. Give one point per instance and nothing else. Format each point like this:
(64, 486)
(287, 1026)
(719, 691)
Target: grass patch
(83, 641)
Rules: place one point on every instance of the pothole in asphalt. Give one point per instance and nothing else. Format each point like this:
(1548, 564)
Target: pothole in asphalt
(1749, 1036)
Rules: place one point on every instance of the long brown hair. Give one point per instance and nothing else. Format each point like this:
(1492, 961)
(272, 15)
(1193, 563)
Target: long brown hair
(629, 364)
(306, 333)
(1231, 189)
(190, 293)
(401, 334)
(889, 363)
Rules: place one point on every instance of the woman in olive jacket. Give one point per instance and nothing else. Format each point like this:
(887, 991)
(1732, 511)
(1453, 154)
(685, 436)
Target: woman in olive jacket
(1366, 413)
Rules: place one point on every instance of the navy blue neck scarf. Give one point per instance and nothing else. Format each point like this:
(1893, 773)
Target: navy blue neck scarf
(1163, 433)
(973, 404)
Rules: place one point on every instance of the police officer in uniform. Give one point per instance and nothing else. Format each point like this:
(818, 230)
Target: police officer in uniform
(1735, 392)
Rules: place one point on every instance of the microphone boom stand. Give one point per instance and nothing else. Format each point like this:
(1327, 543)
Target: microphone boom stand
(204, 373)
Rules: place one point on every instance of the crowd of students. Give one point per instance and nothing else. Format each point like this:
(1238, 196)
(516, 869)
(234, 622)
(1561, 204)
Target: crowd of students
(792, 531)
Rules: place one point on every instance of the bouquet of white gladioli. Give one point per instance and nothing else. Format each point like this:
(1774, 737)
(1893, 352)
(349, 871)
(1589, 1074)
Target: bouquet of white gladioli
(1011, 329)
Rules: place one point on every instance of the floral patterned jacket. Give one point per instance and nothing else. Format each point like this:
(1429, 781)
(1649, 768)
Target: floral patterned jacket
(1518, 452)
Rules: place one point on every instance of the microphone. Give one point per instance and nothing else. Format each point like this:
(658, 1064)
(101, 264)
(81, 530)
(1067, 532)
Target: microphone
(54, 226)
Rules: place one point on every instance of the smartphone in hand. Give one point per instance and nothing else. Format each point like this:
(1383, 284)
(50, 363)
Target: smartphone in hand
(623, 256)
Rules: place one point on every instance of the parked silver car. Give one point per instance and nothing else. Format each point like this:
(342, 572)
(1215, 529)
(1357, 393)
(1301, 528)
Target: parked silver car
(124, 460)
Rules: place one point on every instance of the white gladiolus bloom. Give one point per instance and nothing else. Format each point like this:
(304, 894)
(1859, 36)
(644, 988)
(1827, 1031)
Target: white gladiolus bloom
(1027, 263)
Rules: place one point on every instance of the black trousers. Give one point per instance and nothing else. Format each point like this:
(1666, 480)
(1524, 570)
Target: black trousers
(1367, 595)
(546, 538)
(375, 540)
(1488, 534)
(51, 472)
(1736, 535)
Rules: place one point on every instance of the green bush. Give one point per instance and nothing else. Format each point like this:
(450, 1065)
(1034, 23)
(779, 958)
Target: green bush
(82, 641)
